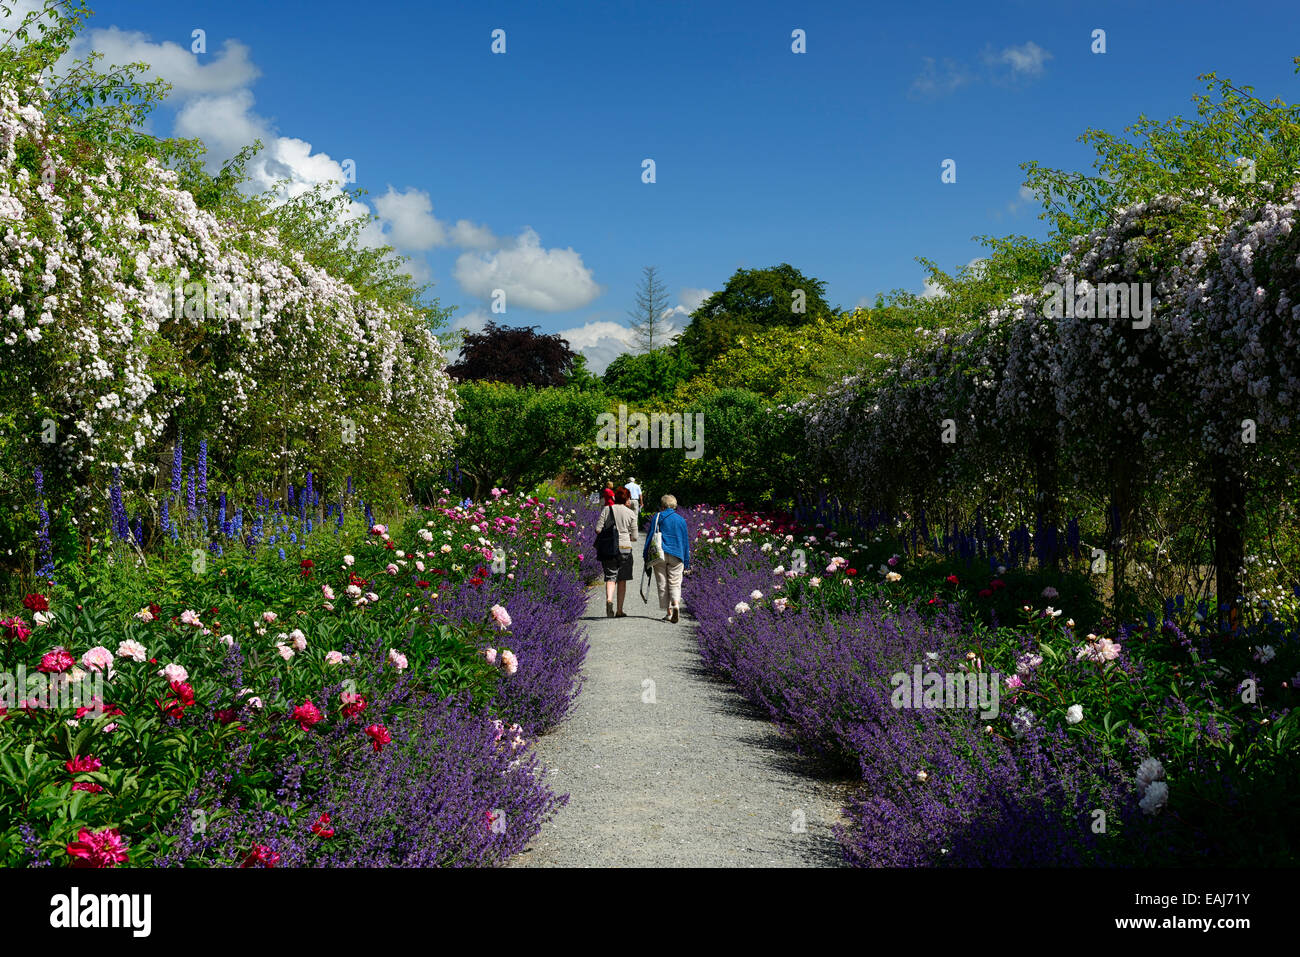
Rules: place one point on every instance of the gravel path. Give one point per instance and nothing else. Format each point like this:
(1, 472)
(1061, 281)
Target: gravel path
(667, 766)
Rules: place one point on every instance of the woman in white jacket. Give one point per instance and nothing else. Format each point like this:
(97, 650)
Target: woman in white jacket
(618, 570)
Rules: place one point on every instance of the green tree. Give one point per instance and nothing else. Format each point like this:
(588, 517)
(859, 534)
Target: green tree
(649, 329)
(648, 376)
(752, 300)
(518, 437)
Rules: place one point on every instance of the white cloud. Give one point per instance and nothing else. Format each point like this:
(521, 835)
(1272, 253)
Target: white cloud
(691, 299)
(1025, 60)
(1023, 198)
(550, 280)
(468, 235)
(1010, 63)
(410, 220)
(227, 70)
(935, 81)
(601, 341)
(225, 123)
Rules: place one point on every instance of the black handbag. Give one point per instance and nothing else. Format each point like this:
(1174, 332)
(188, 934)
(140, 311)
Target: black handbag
(607, 539)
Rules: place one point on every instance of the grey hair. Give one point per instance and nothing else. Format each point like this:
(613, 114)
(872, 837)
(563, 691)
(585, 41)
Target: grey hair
(668, 501)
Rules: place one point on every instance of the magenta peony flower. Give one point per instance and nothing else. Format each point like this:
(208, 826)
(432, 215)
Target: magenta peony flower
(56, 661)
(98, 848)
(307, 714)
(15, 628)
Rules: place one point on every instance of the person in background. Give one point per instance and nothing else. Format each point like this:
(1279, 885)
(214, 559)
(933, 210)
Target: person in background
(635, 491)
(618, 570)
(608, 493)
(677, 552)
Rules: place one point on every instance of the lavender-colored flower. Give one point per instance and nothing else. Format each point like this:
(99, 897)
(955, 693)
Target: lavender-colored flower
(203, 474)
(121, 527)
(176, 464)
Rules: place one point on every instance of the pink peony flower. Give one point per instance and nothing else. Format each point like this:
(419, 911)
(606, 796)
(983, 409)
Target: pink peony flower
(333, 657)
(500, 617)
(190, 617)
(98, 658)
(397, 659)
(174, 672)
(269, 616)
(510, 662)
(327, 592)
(491, 656)
(132, 649)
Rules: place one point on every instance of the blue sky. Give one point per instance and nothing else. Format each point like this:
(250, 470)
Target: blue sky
(523, 171)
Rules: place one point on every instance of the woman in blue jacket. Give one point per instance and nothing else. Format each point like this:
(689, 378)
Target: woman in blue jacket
(677, 552)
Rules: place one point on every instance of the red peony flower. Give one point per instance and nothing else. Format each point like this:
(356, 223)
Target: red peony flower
(98, 848)
(90, 786)
(261, 856)
(951, 579)
(421, 584)
(306, 565)
(82, 763)
(997, 583)
(155, 611)
(986, 592)
(322, 827)
(354, 706)
(476, 580)
(379, 736)
(307, 714)
(36, 603)
(225, 715)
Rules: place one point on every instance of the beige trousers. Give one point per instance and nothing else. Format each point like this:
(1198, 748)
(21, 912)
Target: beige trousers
(668, 581)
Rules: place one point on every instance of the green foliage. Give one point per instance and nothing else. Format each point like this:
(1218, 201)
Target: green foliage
(518, 437)
(748, 452)
(1180, 157)
(752, 300)
(157, 759)
(648, 376)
